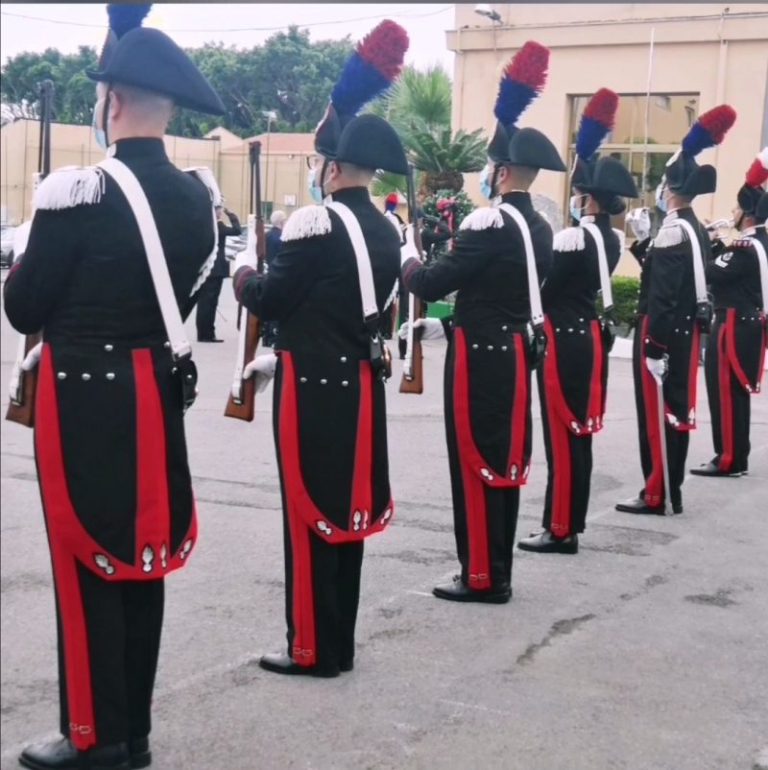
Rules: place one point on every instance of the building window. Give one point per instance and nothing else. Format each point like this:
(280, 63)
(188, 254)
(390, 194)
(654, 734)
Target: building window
(669, 118)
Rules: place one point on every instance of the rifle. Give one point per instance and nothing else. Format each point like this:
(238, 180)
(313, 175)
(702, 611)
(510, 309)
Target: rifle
(241, 400)
(413, 369)
(21, 408)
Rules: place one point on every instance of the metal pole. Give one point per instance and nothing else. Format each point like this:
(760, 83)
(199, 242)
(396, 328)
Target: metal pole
(648, 109)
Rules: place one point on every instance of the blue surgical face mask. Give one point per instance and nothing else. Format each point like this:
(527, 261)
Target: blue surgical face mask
(315, 191)
(99, 134)
(661, 202)
(576, 209)
(485, 183)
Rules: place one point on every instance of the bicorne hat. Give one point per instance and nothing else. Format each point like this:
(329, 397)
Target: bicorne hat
(606, 178)
(683, 175)
(523, 80)
(148, 59)
(367, 140)
(753, 188)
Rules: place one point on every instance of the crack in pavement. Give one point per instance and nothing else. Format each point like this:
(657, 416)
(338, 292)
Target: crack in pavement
(559, 628)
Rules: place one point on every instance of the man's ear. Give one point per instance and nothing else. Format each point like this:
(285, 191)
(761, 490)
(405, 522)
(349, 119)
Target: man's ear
(116, 104)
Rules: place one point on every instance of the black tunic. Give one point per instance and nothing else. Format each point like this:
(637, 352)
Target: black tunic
(312, 291)
(109, 436)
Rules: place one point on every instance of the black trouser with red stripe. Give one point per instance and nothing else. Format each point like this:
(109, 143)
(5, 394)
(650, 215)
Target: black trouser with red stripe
(729, 405)
(647, 414)
(123, 622)
(502, 506)
(572, 470)
(335, 593)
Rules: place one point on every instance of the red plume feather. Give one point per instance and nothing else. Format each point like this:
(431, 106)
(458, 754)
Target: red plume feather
(758, 171)
(384, 48)
(718, 121)
(529, 66)
(602, 108)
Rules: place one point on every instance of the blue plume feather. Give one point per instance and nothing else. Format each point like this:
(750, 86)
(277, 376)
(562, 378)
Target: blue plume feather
(123, 17)
(359, 83)
(591, 134)
(513, 99)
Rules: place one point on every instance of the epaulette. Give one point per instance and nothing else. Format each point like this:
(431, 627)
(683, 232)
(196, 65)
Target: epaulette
(622, 239)
(307, 222)
(482, 219)
(205, 175)
(68, 187)
(570, 239)
(671, 234)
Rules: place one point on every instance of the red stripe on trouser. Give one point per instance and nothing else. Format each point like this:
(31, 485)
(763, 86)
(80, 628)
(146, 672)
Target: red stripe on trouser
(362, 480)
(303, 606)
(153, 515)
(732, 354)
(596, 395)
(560, 523)
(726, 401)
(474, 489)
(53, 483)
(520, 408)
(654, 484)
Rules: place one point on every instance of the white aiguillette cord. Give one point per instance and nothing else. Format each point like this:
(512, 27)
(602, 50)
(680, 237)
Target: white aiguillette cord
(534, 292)
(699, 280)
(137, 200)
(364, 269)
(602, 262)
(762, 261)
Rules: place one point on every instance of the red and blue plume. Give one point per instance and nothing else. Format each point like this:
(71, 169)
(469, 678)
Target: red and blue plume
(371, 69)
(710, 129)
(757, 174)
(523, 80)
(123, 17)
(597, 121)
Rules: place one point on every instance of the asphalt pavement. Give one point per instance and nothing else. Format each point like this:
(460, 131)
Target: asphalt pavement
(647, 651)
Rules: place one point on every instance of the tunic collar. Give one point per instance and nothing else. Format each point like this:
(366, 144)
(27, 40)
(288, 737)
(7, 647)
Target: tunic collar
(139, 148)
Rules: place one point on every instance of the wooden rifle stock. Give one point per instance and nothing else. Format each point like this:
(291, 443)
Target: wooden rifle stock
(244, 406)
(22, 408)
(412, 380)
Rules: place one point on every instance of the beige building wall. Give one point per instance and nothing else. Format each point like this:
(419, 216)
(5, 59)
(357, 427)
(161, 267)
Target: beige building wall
(716, 51)
(283, 174)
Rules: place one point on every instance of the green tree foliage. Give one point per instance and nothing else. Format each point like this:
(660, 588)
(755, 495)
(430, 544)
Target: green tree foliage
(625, 290)
(289, 75)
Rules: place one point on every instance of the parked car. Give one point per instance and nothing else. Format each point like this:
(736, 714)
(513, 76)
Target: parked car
(6, 246)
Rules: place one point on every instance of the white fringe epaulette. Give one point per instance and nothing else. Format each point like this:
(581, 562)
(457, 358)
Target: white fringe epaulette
(68, 187)
(669, 235)
(622, 239)
(205, 175)
(570, 239)
(482, 219)
(393, 294)
(307, 222)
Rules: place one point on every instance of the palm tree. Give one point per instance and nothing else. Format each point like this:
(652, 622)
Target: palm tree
(419, 108)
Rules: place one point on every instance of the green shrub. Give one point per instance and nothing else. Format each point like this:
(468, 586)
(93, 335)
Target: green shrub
(625, 291)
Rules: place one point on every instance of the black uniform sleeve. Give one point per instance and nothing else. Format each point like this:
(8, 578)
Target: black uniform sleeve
(471, 252)
(291, 276)
(669, 267)
(565, 266)
(234, 227)
(729, 267)
(37, 282)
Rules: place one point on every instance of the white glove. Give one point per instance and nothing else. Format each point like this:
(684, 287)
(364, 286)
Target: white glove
(432, 329)
(657, 367)
(263, 368)
(31, 360)
(408, 250)
(639, 221)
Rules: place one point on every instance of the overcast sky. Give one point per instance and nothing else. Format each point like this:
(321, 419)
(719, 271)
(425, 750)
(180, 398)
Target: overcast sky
(35, 27)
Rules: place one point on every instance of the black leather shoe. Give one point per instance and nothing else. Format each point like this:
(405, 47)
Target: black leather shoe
(62, 755)
(546, 542)
(280, 663)
(346, 665)
(141, 756)
(209, 339)
(637, 505)
(711, 469)
(458, 592)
